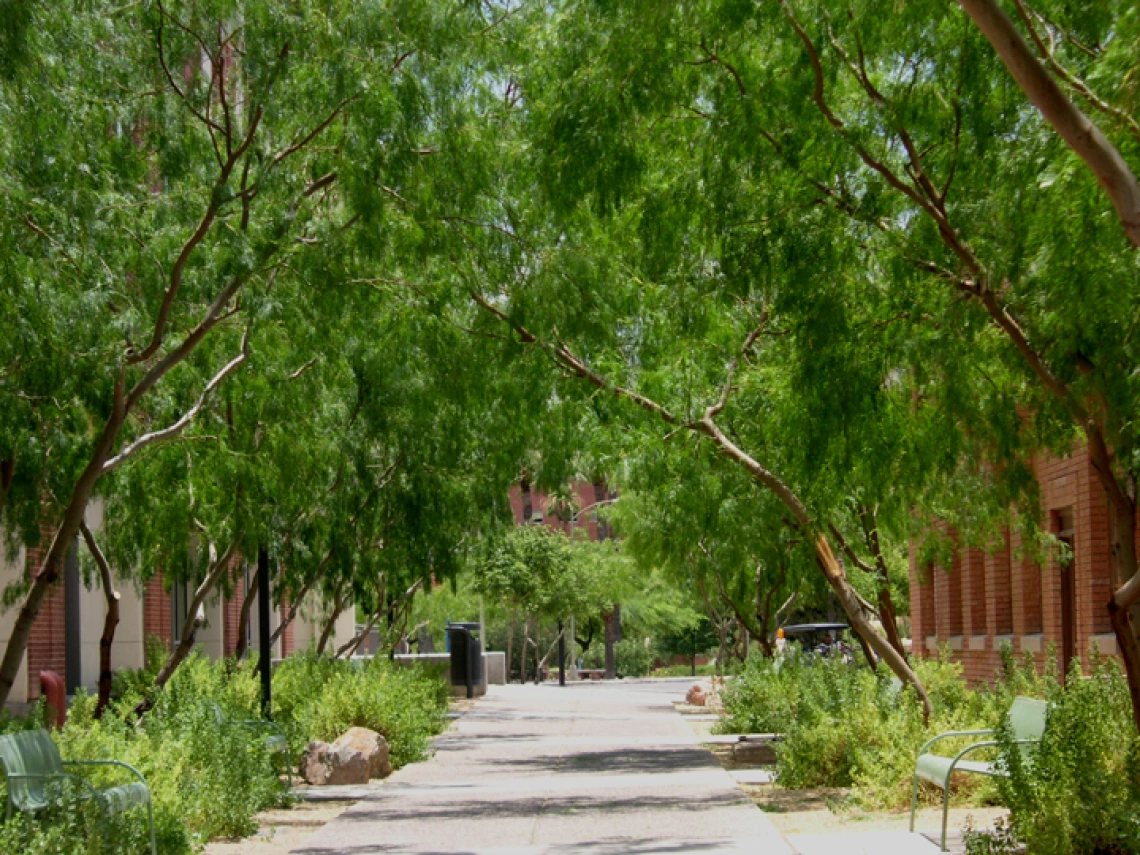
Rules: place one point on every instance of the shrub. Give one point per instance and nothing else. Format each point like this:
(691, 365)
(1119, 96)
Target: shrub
(321, 698)
(208, 776)
(631, 659)
(843, 726)
(1079, 793)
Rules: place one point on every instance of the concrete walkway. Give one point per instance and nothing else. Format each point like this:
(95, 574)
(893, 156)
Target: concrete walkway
(590, 769)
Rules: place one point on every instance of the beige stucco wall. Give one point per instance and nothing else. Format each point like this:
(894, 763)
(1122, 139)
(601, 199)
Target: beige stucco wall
(255, 629)
(311, 620)
(11, 571)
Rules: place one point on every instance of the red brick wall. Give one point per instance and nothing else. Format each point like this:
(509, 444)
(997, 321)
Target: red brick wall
(288, 645)
(157, 611)
(1004, 595)
(975, 601)
(231, 617)
(47, 645)
(585, 495)
(999, 589)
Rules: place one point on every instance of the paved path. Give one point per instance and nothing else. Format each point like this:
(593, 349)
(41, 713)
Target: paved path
(590, 769)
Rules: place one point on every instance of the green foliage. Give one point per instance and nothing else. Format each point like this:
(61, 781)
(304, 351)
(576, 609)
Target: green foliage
(320, 698)
(631, 657)
(208, 775)
(844, 726)
(1078, 793)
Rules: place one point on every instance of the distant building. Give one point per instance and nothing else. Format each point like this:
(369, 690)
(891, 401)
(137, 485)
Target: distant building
(65, 636)
(534, 507)
(983, 601)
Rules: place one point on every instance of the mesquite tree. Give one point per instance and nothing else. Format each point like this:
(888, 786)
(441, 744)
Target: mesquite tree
(170, 171)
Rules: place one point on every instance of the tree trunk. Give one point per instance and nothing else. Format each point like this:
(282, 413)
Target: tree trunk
(350, 646)
(525, 645)
(610, 618)
(326, 633)
(110, 622)
(243, 621)
(190, 629)
(849, 599)
(294, 608)
(48, 572)
(887, 614)
(542, 663)
(511, 644)
(7, 475)
(1122, 606)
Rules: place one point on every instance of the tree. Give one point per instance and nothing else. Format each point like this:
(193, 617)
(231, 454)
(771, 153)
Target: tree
(172, 176)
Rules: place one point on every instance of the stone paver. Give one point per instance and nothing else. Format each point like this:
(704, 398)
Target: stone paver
(589, 769)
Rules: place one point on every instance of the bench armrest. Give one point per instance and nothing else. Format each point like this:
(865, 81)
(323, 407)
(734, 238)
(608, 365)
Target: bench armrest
(54, 776)
(987, 743)
(950, 735)
(262, 722)
(118, 763)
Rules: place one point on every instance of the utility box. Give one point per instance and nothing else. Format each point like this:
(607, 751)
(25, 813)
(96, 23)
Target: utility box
(468, 678)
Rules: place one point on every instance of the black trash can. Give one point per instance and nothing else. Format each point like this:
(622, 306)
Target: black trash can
(466, 656)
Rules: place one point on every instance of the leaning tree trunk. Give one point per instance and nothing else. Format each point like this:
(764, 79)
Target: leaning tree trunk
(542, 662)
(243, 621)
(326, 633)
(110, 622)
(1122, 606)
(48, 572)
(189, 630)
(849, 599)
(888, 617)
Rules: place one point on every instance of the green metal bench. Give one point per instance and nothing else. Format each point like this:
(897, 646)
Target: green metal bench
(275, 743)
(1027, 718)
(37, 778)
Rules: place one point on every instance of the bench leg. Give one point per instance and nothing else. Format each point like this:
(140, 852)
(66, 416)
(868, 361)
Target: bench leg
(945, 808)
(913, 801)
(150, 819)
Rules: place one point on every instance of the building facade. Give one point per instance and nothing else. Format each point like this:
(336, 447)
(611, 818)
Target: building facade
(65, 636)
(533, 506)
(986, 599)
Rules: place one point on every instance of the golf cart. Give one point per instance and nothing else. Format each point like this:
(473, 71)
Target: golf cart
(821, 639)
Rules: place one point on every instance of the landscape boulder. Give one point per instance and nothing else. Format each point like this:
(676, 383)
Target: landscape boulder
(372, 745)
(324, 765)
(696, 696)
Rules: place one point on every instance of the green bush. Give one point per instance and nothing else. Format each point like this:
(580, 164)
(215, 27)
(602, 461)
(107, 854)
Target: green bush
(1079, 792)
(843, 725)
(209, 776)
(321, 698)
(631, 658)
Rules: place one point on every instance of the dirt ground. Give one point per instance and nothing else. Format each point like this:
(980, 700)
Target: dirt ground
(281, 830)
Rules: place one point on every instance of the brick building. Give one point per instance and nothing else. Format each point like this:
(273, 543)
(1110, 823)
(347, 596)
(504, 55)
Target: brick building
(533, 506)
(986, 599)
(65, 636)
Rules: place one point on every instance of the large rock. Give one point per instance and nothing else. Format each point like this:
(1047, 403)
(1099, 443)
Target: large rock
(372, 745)
(324, 765)
(696, 696)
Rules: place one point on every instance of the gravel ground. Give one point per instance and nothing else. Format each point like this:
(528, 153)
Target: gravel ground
(281, 831)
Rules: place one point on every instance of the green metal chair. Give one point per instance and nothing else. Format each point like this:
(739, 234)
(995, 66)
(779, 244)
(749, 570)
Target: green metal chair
(1027, 718)
(37, 778)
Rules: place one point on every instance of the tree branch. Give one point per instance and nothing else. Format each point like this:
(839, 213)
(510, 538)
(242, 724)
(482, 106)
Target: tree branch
(1080, 133)
(726, 390)
(173, 430)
